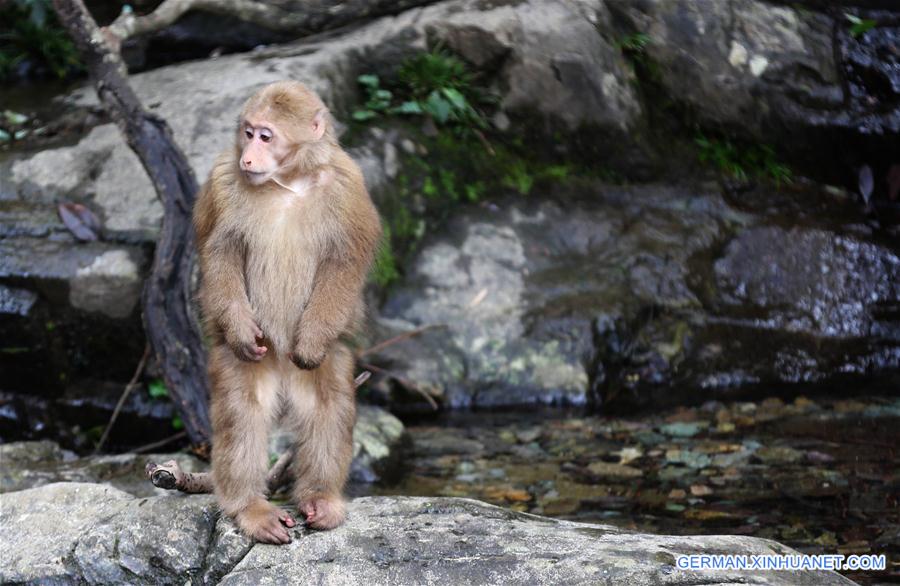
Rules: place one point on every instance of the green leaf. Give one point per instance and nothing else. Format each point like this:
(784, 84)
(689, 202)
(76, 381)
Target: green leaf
(860, 26)
(382, 95)
(368, 80)
(363, 115)
(456, 98)
(177, 423)
(408, 107)
(157, 389)
(437, 107)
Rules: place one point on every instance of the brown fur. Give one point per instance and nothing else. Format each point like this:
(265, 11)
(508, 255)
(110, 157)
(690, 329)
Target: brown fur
(282, 281)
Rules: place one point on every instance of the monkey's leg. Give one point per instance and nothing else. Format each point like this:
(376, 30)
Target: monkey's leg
(325, 412)
(243, 404)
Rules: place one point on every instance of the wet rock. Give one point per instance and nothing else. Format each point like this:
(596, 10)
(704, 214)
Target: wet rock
(67, 307)
(92, 277)
(77, 417)
(441, 442)
(640, 296)
(518, 289)
(809, 281)
(722, 56)
(794, 76)
(379, 445)
(778, 455)
(611, 471)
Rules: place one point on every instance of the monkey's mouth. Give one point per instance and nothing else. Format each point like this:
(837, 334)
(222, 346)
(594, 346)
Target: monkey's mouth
(256, 177)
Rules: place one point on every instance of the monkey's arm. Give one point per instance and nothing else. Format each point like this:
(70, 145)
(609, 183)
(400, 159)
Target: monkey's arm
(224, 294)
(338, 284)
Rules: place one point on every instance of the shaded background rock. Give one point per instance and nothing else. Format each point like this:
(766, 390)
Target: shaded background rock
(639, 296)
(783, 74)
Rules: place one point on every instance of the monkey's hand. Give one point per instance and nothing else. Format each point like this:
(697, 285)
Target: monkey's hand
(241, 335)
(307, 356)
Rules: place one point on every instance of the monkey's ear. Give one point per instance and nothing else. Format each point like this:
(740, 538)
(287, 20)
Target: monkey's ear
(318, 123)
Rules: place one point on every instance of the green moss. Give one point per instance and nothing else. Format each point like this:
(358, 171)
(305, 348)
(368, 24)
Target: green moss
(742, 160)
(384, 271)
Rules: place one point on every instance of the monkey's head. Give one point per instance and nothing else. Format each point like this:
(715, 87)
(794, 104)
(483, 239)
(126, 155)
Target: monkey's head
(284, 129)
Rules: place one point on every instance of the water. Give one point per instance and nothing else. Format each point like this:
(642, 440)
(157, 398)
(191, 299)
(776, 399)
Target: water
(820, 476)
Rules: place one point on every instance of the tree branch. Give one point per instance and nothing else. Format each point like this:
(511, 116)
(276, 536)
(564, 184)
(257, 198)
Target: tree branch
(300, 17)
(171, 328)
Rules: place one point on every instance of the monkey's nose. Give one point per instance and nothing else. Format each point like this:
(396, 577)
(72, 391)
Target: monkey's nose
(248, 163)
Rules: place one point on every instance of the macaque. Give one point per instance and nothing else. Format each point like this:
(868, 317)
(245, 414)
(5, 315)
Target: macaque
(286, 235)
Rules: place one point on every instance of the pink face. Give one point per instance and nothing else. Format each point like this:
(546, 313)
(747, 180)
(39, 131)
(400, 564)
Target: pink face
(262, 150)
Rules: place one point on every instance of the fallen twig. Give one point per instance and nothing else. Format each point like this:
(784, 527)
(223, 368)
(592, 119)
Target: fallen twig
(153, 445)
(406, 383)
(398, 338)
(115, 414)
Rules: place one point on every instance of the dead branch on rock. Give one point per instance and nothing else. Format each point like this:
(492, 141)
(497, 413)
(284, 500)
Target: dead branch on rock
(170, 476)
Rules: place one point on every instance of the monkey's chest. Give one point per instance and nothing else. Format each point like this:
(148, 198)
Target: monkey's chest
(279, 272)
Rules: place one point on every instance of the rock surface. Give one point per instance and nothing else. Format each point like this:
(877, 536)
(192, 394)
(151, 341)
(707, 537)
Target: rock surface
(639, 295)
(199, 99)
(787, 74)
(76, 532)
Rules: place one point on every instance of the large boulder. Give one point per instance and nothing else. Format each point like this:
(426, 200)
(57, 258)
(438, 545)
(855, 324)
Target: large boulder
(76, 533)
(778, 72)
(638, 296)
(516, 291)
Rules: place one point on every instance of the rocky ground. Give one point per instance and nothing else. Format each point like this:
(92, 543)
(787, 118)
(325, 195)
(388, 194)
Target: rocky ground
(81, 532)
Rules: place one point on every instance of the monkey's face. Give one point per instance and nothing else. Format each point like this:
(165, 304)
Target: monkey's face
(263, 150)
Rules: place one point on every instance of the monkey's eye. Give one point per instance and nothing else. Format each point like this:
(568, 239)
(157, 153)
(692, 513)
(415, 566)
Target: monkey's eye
(265, 136)
(249, 133)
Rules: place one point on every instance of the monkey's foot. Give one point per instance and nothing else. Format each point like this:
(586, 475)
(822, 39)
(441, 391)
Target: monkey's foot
(265, 523)
(323, 512)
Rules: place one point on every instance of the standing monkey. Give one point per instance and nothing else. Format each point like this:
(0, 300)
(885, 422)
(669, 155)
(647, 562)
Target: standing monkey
(286, 234)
